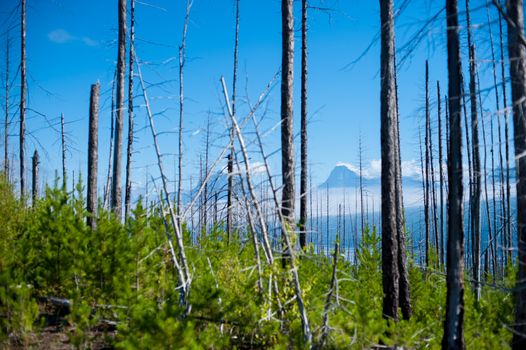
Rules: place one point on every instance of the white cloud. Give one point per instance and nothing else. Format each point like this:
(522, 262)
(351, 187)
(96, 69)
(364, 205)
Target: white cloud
(411, 168)
(89, 41)
(62, 36)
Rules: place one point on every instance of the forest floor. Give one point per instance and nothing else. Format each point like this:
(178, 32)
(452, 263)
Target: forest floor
(57, 333)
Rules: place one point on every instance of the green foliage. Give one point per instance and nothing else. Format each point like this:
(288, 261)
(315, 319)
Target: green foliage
(123, 273)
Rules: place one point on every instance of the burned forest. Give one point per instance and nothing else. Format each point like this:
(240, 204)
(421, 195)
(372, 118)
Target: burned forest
(234, 174)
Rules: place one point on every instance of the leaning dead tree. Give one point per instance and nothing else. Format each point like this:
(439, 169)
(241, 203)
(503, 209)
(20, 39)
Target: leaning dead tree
(454, 323)
(517, 60)
(22, 132)
(129, 151)
(179, 258)
(93, 154)
(304, 158)
(116, 191)
(283, 221)
(388, 115)
(287, 116)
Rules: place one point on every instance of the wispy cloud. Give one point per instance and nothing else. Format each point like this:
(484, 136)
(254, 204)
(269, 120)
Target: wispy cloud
(62, 36)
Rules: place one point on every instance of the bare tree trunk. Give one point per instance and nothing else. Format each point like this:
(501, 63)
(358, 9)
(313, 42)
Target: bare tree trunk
(426, 172)
(35, 191)
(304, 159)
(488, 214)
(433, 191)
(454, 323)
(107, 188)
(424, 192)
(499, 130)
(180, 261)
(477, 175)
(22, 134)
(129, 151)
(230, 167)
(116, 191)
(93, 154)
(360, 155)
(6, 122)
(205, 192)
(470, 170)
(182, 61)
(493, 197)
(517, 59)
(404, 294)
(441, 175)
(287, 117)
(390, 273)
(63, 148)
(506, 134)
(502, 180)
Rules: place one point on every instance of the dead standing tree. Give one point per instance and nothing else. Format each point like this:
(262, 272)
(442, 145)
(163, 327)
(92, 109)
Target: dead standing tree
(22, 133)
(517, 60)
(34, 192)
(304, 158)
(129, 151)
(116, 191)
(287, 116)
(454, 323)
(93, 154)
(230, 166)
(182, 61)
(63, 148)
(6, 121)
(390, 272)
(475, 151)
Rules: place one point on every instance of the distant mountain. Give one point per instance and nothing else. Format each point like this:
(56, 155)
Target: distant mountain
(346, 176)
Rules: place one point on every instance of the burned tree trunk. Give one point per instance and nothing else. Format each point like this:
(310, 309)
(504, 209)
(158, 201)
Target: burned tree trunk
(35, 191)
(287, 116)
(390, 273)
(475, 151)
(304, 175)
(182, 61)
(404, 294)
(230, 166)
(477, 175)
(93, 154)
(63, 147)
(129, 151)
(506, 133)
(6, 121)
(441, 175)
(454, 323)
(22, 133)
(426, 172)
(116, 191)
(517, 59)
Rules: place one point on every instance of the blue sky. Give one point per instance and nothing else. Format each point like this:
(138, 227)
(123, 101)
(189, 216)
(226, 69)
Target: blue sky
(72, 44)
